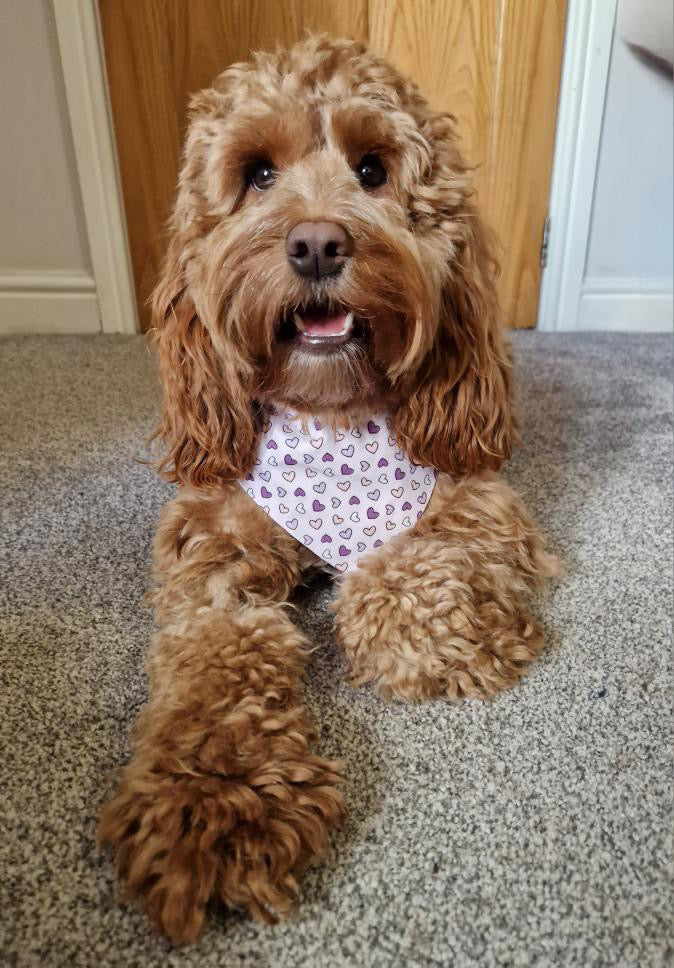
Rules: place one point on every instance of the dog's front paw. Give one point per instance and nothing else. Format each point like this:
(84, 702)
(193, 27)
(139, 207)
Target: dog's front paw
(426, 620)
(183, 837)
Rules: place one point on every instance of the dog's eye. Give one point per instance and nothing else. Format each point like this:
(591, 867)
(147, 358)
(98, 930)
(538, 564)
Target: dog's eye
(370, 171)
(261, 175)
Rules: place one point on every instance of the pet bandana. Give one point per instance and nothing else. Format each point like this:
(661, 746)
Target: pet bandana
(341, 493)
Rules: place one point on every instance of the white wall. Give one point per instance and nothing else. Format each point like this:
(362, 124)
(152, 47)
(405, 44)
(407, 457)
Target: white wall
(630, 256)
(46, 281)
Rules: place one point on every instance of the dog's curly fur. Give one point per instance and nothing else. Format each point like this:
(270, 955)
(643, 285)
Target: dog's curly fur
(223, 799)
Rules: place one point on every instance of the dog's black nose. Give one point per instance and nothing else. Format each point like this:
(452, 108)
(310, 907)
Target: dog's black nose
(318, 249)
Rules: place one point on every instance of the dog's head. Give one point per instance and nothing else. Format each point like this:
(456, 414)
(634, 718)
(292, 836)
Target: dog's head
(326, 255)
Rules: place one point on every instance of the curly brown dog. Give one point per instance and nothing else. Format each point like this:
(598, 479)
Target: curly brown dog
(327, 260)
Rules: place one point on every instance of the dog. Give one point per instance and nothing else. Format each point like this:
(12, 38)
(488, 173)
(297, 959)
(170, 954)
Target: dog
(329, 285)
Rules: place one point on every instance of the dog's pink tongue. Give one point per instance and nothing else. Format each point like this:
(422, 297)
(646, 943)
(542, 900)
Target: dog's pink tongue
(324, 325)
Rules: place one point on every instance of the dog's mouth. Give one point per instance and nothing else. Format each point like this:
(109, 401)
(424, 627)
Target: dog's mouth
(320, 327)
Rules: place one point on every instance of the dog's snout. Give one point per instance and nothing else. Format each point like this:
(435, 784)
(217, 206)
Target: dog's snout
(318, 249)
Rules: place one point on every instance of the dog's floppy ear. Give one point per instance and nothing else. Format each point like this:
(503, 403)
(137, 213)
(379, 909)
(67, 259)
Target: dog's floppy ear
(208, 423)
(456, 415)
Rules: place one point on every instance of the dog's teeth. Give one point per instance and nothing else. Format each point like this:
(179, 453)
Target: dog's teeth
(348, 323)
(298, 322)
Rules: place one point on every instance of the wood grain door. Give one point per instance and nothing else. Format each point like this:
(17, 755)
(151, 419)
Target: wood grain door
(495, 64)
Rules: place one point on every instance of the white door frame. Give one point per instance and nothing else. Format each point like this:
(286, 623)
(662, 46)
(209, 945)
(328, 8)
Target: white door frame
(587, 55)
(82, 57)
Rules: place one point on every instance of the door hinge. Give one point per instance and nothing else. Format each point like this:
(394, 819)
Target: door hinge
(545, 242)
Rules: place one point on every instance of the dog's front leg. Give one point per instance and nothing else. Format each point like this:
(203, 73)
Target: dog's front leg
(222, 799)
(441, 611)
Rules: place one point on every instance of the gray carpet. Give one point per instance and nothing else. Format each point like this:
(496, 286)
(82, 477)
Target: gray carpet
(533, 830)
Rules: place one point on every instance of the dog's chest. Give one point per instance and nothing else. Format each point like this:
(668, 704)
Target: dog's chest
(342, 493)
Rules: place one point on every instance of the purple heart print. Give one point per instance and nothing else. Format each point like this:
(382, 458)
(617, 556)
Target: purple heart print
(308, 457)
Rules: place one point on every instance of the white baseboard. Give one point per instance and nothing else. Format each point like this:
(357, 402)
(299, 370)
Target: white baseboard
(626, 305)
(48, 302)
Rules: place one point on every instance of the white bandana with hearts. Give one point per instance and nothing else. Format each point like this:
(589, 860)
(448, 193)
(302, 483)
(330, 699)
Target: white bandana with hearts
(341, 493)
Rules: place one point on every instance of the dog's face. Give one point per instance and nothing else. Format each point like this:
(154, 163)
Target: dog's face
(313, 253)
(326, 256)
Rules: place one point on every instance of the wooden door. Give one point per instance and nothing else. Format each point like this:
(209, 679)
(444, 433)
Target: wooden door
(495, 64)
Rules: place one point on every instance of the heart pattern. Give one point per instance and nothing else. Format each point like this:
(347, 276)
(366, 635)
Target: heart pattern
(289, 444)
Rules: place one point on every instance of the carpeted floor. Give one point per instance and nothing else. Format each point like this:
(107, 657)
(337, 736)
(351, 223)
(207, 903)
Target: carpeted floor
(534, 830)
